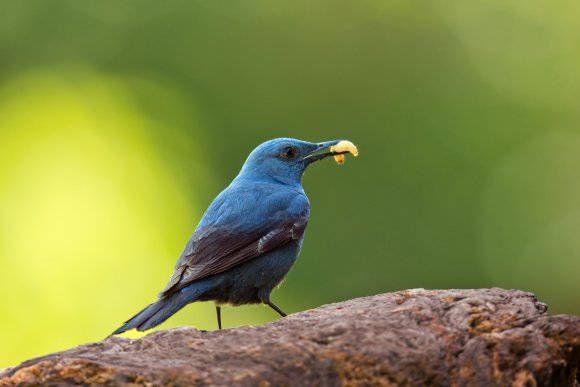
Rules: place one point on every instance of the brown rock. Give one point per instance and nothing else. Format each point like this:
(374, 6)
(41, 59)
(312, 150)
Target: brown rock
(485, 337)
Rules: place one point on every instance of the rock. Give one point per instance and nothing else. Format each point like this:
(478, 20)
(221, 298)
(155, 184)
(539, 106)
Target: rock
(483, 337)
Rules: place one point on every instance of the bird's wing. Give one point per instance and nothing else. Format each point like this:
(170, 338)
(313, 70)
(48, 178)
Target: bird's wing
(240, 233)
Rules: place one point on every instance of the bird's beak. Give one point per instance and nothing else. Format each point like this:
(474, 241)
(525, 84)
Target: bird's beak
(315, 156)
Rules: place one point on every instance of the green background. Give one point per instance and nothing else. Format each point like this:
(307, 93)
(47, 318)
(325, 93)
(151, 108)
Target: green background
(121, 120)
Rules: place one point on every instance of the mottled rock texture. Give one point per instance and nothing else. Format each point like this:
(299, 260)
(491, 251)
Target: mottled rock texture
(482, 337)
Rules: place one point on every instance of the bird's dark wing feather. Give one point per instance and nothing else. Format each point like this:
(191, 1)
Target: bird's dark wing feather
(214, 249)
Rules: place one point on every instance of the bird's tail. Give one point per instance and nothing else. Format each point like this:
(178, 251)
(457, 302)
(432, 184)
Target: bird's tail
(161, 310)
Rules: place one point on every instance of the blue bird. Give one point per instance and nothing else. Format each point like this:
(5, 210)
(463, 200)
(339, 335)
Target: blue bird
(248, 238)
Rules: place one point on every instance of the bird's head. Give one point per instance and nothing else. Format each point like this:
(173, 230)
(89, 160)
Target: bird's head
(286, 159)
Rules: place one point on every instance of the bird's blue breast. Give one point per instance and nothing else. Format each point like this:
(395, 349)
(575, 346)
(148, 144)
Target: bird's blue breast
(244, 206)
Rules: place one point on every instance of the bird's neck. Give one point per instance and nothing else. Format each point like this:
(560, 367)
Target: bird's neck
(248, 176)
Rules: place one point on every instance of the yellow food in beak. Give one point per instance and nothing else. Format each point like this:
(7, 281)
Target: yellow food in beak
(343, 146)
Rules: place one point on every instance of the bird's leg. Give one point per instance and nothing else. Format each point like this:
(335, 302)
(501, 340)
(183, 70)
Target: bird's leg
(218, 310)
(264, 296)
(273, 306)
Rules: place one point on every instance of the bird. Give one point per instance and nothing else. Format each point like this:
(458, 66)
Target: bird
(248, 238)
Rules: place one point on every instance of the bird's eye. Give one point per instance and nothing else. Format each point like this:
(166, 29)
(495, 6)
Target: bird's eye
(289, 152)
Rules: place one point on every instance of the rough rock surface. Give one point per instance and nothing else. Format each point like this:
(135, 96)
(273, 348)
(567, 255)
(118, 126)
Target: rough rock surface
(485, 337)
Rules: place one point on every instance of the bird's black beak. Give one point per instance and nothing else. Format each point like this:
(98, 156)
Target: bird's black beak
(314, 156)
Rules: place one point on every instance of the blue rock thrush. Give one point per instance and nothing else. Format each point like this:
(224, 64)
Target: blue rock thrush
(248, 238)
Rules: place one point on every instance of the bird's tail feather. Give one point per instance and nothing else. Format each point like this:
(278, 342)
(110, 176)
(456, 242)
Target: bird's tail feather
(161, 310)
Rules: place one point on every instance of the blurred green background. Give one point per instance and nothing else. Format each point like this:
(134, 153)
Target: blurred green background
(121, 120)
